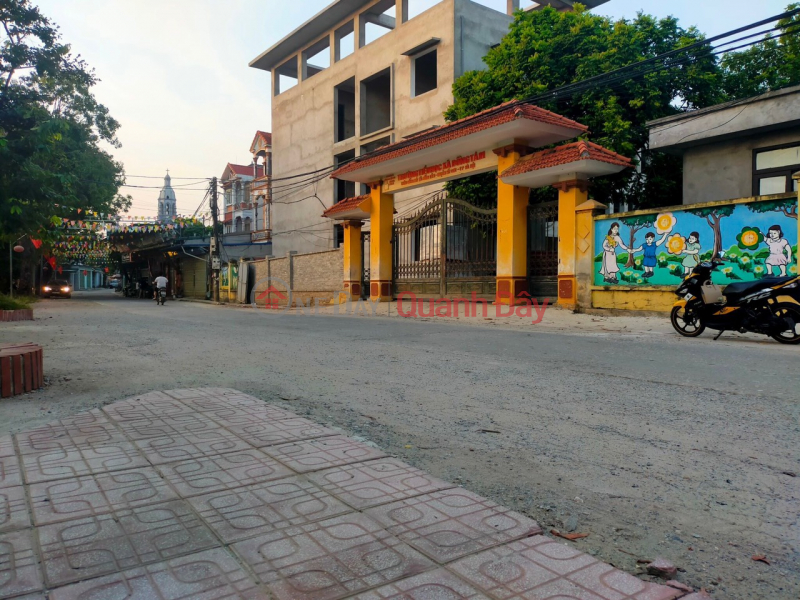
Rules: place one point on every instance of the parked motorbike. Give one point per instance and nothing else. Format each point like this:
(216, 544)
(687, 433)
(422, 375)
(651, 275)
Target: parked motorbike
(161, 296)
(769, 306)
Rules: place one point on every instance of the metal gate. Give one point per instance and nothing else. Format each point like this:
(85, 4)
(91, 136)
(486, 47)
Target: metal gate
(365, 249)
(543, 249)
(447, 249)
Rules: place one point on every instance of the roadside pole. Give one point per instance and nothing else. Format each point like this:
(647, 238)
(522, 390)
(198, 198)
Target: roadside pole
(215, 242)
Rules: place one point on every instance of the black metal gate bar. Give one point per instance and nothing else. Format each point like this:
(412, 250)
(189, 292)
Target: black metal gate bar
(365, 261)
(447, 248)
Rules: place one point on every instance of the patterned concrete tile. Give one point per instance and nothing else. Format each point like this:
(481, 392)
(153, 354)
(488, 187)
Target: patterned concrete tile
(182, 447)
(203, 475)
(181, 424)
(363, 485)
(269, 433)
(452, 523)
(329, 560)
(19, 571)
(265, 507)
(13, 509)
(81, 460)
(239, 412)
(84, 429)
(190, 393)
(208, 575)
(80, 497)
(161, 406)
(104, 544)
(433, 585)
(50, 438)
(314, 455)
(10, 475)
(539, 567)
(6, 446)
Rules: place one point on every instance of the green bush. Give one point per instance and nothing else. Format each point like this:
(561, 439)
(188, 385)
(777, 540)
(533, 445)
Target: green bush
(16, 303)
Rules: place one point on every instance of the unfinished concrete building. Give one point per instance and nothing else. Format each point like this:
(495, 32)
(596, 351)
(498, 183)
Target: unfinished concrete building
(357, 76)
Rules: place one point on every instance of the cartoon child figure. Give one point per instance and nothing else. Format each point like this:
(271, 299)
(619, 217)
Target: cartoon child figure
(613, 240)
(692, 253)
(780, 252)
(649, 252)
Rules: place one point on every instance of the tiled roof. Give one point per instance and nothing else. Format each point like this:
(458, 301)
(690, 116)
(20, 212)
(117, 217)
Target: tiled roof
(266, 135)
(246, 170)
(504, 113)
(345, 205)
(561, 155)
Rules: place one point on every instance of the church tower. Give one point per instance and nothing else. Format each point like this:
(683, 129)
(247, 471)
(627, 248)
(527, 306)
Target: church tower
(166, 201)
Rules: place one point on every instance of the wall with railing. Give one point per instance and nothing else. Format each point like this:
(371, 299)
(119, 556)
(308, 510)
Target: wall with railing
(641, 256)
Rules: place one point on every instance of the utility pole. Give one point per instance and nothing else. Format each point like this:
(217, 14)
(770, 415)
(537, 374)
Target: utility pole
(216, 242)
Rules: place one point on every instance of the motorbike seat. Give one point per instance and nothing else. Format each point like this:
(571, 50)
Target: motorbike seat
(736, 291)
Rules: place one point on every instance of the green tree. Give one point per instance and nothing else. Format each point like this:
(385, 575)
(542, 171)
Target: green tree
(546, 49)
(52, 128)
(771, 64)
(635, 225)
(787, 207)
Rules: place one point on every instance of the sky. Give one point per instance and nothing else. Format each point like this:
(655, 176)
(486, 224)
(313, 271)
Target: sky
(175, 73)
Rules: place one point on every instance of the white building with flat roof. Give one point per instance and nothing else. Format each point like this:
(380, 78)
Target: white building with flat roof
(357, 76)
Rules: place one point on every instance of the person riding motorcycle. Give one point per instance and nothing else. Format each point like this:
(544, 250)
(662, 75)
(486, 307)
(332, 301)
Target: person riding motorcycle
(160, 284)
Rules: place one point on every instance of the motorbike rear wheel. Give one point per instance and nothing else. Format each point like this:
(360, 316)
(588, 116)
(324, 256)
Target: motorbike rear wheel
(791, 314)
(688, 325)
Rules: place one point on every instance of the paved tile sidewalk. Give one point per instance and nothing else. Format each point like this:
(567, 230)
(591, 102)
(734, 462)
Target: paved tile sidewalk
(210, 493)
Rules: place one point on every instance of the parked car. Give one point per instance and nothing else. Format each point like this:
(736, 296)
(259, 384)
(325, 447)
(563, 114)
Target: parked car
(115, 283)
(59, 288)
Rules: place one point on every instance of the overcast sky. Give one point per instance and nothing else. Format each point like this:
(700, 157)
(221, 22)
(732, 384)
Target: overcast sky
(175, 74)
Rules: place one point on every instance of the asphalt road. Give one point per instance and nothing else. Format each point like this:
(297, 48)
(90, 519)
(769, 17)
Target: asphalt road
(652, 444)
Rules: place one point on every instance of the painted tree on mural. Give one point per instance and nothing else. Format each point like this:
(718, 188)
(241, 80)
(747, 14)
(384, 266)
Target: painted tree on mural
(635, 225)
(714, 216)
(787, 207)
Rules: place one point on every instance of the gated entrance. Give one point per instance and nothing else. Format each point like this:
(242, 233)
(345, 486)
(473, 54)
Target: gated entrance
(543, 250)
(365, 264)
(447, 249)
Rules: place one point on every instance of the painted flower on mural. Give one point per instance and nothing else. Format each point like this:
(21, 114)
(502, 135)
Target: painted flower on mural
(665, 222)
(673, 267)
(750, 238)
(676, 244)
(793, 269)
(758, 270)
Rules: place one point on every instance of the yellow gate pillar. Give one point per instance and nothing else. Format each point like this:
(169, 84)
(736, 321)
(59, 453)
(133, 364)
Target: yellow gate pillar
(381, 216)
(571, 194)
(512, 230)
(584, 251)
(353, 259)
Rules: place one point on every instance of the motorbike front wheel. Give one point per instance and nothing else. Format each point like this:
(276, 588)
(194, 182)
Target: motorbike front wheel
(790, 313)
(686, 323)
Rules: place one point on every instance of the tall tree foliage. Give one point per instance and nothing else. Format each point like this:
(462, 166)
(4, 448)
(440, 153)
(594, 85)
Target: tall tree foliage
(769, 65)
(546, 49)
(51, 128)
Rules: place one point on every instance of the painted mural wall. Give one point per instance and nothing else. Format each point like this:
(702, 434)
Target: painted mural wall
(759, 238)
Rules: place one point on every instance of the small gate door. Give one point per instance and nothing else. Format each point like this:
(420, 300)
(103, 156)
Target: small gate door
(543, 250)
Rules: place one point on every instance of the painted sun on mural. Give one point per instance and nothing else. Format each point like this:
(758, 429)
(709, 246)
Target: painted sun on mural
(759, 239)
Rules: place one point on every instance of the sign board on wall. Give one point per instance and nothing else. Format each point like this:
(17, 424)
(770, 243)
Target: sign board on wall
(454, 168)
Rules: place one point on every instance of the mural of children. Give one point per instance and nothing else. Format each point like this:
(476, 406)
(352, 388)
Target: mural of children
(780, 252)
(650, 246)
(692, 252)
(613, 240)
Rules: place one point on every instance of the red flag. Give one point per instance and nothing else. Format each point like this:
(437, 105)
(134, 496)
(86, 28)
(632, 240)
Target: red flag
(36, 243)
(52, 262)
(60, 270)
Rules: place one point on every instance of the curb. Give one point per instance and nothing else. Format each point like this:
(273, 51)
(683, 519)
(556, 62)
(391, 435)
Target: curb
(22, 314)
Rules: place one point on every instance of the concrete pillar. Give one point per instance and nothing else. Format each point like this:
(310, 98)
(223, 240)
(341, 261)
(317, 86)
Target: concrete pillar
(512, 231)
(402, 12)
(584, 251)
(571, 194)
(353, 259)
(511, 6)
(380, 244)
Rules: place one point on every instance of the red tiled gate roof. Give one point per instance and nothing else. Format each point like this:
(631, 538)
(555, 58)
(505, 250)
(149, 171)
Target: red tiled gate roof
(498, 115)
(561, 155)
(345, 205)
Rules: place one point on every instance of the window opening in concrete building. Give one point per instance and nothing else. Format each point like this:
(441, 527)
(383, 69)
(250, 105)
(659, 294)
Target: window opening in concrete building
(247, 223)
(417, 7)
(286, 76)
(343, 189)
(773, 169)
(376, 102)
(344, 40)
(344, 97)
(424, 73)
(317, 58)
(377, 21)
(374, 145)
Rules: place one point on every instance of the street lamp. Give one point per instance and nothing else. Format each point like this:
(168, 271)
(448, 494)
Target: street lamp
(15, 247)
